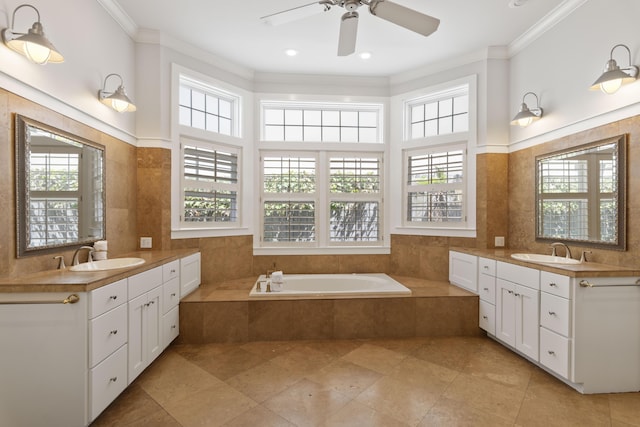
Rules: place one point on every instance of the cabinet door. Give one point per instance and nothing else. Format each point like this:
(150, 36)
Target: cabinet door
(153, 318)
(463, 270)
(189, 274)
(527, 321)
(137, 338)
(505, 312)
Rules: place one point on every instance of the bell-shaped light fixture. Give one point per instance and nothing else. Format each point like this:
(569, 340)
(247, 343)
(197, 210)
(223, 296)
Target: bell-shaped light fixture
(613, 76)
(527, 115)
(118, 100)
(33, 44)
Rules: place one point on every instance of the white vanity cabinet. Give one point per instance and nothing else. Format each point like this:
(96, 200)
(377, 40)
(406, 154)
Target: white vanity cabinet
(487, 293)
(517, 307)
(555, 322)
(145, 317)
(463, 270)
(107, 345)
(170, 301)
(189, 274)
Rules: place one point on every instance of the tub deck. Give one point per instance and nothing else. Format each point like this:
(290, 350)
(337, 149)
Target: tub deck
(224, 313)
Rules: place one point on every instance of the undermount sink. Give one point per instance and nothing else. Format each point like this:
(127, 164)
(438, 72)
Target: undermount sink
(108, 264)
(544, 259)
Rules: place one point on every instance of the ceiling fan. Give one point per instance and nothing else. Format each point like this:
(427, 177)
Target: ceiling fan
(387, 10)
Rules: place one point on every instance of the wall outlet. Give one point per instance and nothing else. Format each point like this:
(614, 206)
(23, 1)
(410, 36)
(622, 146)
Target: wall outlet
(145, 243)
(499, 241)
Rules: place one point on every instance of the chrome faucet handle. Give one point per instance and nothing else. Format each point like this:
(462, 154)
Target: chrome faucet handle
(60, 259)
(553, 250)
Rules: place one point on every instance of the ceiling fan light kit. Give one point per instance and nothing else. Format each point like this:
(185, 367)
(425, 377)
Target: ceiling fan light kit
(392, 12)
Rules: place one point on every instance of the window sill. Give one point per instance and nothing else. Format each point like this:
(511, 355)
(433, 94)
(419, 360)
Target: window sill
(436, 231)
(342, 250)
(191, 233)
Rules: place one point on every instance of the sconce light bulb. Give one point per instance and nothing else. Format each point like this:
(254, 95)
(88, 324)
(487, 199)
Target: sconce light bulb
(611, 86)
(119, 105)
(37, 53)
(524, 122)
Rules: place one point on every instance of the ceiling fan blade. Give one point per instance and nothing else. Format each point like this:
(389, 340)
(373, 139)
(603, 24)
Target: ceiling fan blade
(348, 33)
(292, 14)
(404, 17)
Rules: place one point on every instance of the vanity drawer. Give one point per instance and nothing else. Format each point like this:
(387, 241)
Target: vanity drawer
(487, 320)
(107, 381)
(107, 333)
(487, 288)
(170, 294)
(144, 282)
(107, 297)
(555, 313)
(171, 270)
(487, 266)
(555, 352)
(556, 284)
(171, 326)
(517, 274)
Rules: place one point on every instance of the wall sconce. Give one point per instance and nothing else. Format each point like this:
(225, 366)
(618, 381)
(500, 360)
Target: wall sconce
(613, 76)
(34, 45)
(117, 100)
(527, 116)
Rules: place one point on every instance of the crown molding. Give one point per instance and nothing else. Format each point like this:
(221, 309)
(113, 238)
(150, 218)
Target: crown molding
(121, 17)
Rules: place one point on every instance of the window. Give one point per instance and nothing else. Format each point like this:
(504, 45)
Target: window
(314, 123)
(292, 196)
(439, 114)
(210, 184)
(208, 108)
(435, 185)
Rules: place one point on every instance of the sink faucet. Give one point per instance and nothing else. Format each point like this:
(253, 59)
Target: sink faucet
(567, 251)
(76, 261)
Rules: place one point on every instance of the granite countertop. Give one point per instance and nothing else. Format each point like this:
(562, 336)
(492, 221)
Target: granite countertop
(585, 269)
(69, 281)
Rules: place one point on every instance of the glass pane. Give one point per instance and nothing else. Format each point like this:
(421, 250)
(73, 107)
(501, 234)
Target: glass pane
(212, 123)
(274, 117)
(430, 128)
(274, 133)
(348, 118)
(354, 221)
(225, 126)
(331, 134)
(293, 117)
(210, 206)
(286, 221)
(312, 134)
(445, 107)
(417, 113)
(431, 111)
(461, 104)
(445, 125)
(293, 133)
(225, 108)
(197, 100)
(185, 116)
(354, 175)
(312, 117)
(289, 175)
(461, 123)
(417, 130)
(369, 119)
(331, 118)
(198, 119)
(212, 104)
(368, 135)
(185, 96)
(349, 135)
(435, 206)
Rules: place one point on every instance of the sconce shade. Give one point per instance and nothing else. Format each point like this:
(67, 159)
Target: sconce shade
(34, 44)
(527, 116)
(613, 77)
(117, 100)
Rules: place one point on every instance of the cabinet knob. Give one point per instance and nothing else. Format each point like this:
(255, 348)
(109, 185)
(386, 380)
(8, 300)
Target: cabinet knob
(113, 379)
(486, 267)
(551, 352)
(173, 270)
(113, 297)
(516, 294)
(510, 292)
(486, 289)
(151, 302)
(552, 313)
(173, 326)
(553, 285)
(485, 317)
(173, 294)
(114, 332)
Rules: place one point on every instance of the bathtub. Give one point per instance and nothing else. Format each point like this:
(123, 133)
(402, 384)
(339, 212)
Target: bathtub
(332, 286)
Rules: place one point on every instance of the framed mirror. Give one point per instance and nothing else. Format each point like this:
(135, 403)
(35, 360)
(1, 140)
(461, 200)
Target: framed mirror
(581, 195)
(60, 188)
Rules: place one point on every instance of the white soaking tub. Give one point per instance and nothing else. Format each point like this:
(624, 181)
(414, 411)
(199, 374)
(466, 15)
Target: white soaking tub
(332, 286)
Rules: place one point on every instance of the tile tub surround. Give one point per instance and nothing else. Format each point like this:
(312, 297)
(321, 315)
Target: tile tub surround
(223, 313)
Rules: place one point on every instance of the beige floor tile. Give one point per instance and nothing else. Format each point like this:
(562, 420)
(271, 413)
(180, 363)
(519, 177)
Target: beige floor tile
(558, 412)
(625, 407)
(497, 363)
(307, 403)
(337, 348)
(259, 416)
(355, 414)
(345, 377)
(452, 353)
(399, 400)
(450, 413)
(211, 407)
(229, 363)
(486, 395)
(375, 358)
(263, 381)
(269, 349)
(133, 405)
(424, 375)
(405, 345)
(171, 377)
(303, 360)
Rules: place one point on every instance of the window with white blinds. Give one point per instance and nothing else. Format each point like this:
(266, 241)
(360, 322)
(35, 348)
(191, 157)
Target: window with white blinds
(210, 184)
(435, 183)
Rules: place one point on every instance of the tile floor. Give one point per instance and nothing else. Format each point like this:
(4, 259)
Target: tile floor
(405, 382)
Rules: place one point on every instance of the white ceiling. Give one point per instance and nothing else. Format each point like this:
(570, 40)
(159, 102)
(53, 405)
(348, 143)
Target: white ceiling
(232, 30)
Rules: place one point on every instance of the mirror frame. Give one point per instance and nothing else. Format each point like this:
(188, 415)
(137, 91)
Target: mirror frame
(621, 224)
(22, 194)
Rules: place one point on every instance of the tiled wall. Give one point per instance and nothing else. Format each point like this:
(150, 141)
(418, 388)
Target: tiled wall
(121, 186)
(522, 189)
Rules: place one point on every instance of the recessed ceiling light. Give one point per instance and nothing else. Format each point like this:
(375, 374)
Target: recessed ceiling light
(291, 52)
(516, 3)
(365, 55)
